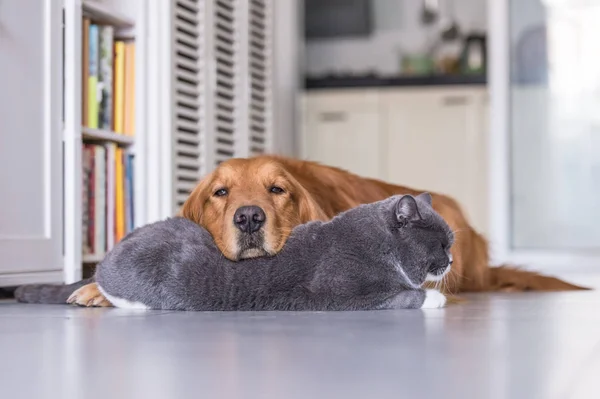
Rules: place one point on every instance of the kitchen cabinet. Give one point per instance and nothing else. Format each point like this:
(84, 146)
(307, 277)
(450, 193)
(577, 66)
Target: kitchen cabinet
(342, 129)
(433, 138)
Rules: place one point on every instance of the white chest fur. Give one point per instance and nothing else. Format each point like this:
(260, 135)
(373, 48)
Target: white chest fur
(122, 303)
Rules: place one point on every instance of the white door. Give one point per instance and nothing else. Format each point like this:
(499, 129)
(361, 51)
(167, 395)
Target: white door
(436, 142)
(30, 140)
(342, 130)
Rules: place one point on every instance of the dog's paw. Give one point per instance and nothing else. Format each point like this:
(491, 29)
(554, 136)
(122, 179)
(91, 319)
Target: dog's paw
(433, 300)
(89, 296)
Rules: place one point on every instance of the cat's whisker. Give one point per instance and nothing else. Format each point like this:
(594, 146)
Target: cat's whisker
(457, 277)
(449, 285)
(449, 281)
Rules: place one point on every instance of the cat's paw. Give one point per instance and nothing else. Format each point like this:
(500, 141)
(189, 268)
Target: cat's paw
(433, 300)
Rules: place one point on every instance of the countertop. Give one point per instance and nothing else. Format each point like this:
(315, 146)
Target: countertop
(372, 81)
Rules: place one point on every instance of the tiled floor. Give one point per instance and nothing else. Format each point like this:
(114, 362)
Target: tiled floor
(495, 346)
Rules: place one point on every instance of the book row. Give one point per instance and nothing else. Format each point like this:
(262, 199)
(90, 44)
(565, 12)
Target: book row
(108, 71)
(108, 210)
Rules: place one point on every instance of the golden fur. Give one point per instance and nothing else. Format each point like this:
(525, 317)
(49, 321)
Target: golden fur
(248, 183)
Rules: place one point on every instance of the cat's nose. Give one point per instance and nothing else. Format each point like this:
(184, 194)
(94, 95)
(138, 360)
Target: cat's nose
(437, 269)
(249, 219)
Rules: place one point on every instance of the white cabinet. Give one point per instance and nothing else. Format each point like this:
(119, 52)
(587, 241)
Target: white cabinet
(427, 138)
(342, 129)
(436, 141)
(30, 142)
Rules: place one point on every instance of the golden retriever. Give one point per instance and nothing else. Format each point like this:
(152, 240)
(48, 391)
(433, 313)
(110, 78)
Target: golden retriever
(251, 205)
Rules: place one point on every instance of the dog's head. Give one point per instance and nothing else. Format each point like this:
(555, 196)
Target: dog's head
(250, 207)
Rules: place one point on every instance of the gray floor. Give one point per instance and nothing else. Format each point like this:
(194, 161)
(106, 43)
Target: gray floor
(495, 346)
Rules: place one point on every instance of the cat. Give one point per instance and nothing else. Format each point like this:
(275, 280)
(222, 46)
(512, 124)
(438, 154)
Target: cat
(375, 256)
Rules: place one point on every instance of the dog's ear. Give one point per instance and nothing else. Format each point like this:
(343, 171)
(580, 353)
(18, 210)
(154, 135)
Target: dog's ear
(308, 208)
(193, 206)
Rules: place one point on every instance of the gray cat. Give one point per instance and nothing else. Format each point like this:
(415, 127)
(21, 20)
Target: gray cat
(375, 256)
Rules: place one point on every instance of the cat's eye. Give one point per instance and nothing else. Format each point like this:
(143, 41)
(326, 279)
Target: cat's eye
(401, 222)
(221, 192)
(276, 190)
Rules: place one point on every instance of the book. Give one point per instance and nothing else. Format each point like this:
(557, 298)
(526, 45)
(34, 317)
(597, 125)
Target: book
(110, 196)
(119, 86)
(129, 112)
(119, 196)
(100, 200)
(105, 78)
(86, 171)
(93, 77)
(91, 198)
(85, 70)
(129, 197)
(125, 194)
(128, 193)
(132, 197)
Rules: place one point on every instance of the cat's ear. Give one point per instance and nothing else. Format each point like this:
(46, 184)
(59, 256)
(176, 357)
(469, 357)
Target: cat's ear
(425, 197)
(407, 209)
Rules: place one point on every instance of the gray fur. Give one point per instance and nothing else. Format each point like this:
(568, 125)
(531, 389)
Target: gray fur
(375, 256)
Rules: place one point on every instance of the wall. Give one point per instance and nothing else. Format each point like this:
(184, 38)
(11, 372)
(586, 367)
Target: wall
(397, 30)
(288, 52)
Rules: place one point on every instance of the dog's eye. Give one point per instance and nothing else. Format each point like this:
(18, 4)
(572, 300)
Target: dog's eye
(276, 190)
(220, 192)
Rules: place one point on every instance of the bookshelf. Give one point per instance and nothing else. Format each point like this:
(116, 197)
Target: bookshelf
(105, 136)
(108, 15)
(102, 75)
(92, 258)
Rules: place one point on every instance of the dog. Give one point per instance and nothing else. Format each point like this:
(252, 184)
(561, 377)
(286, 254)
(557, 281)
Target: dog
(251, 205)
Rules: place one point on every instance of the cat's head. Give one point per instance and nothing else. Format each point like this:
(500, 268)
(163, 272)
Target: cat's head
(419, 238)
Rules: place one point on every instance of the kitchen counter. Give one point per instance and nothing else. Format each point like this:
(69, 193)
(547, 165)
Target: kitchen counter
(368, 81)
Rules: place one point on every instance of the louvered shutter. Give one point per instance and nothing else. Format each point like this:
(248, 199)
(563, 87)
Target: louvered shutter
(259, 76)
(189, 110)
(226, 88)
(222, 85)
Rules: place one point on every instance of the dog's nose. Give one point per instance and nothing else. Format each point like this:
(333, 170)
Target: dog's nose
(249, 219)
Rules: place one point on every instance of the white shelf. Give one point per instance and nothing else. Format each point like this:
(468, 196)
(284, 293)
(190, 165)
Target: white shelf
(106, 136)
(92, 258)
(101, 13)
